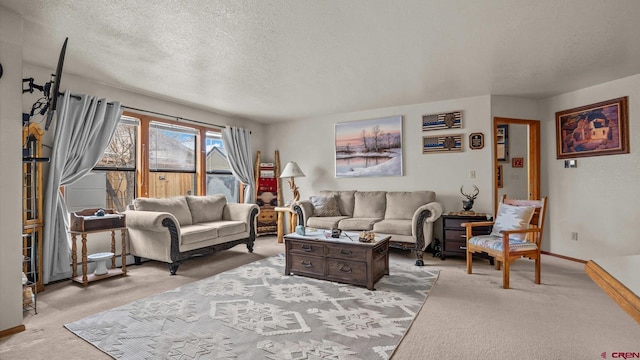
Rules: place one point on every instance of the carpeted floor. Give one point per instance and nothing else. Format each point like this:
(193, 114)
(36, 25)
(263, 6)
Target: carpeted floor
(255, 311)
(464, 317)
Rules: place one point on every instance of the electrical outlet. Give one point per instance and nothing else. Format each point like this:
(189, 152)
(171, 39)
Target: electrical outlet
(472, 174)
(574, 236)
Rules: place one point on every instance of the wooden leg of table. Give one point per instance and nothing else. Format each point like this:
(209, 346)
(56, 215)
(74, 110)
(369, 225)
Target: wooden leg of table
(123, 259)
(85, 281)
(113, 249)
(74, 256)
(280, 226)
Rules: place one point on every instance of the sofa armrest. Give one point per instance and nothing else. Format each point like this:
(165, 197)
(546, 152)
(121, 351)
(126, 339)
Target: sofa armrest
(422, 223)
(148, 220)
(434, 211)
(239, 212)
(304, 210)
(153, 234)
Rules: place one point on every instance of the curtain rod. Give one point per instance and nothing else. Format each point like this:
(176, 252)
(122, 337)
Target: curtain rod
(178, 118)
(78, 97)
(172, 117)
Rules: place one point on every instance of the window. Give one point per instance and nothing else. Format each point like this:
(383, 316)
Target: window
(172, 160)
(220, 180)
(112, 182)
(149, 157)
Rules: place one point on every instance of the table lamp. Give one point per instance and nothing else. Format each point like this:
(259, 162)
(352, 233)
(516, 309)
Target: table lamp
(292, 171)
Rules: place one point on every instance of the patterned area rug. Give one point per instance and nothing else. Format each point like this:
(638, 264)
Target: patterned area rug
(256, 312)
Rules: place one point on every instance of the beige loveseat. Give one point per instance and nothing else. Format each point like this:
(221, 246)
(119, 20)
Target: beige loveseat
(407, 216)
(173, 229)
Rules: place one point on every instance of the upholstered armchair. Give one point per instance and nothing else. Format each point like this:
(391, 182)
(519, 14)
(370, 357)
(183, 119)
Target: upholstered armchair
(516, 233)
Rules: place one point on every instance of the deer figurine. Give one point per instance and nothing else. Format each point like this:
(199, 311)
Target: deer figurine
(468, 204)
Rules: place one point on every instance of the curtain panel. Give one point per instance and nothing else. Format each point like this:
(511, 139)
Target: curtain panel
(84, 127)
(237, 143)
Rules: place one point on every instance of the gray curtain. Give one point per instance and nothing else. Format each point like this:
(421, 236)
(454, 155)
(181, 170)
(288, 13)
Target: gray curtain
(83, 130)
(237, 143)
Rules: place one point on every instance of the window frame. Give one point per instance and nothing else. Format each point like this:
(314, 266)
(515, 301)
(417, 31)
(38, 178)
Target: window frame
(143, 146)
(128, 120)
(142, 167)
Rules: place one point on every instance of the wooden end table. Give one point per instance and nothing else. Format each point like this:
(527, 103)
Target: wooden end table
(454, 236)
(293, 219)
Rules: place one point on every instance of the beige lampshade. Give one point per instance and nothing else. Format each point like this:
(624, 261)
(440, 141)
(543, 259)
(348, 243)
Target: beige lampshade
(292, 170)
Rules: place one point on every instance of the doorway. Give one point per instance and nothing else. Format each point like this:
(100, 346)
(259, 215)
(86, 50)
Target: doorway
(516, 160)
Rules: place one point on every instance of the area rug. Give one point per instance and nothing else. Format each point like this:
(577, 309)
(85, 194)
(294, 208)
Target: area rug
(257, 312)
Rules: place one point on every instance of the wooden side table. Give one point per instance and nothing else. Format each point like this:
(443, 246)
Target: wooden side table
(85, 279)
(454, 236)
(293, 219)
(85, 222)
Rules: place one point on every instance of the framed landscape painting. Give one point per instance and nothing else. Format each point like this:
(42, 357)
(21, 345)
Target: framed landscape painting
(593, 130)
(369, 148)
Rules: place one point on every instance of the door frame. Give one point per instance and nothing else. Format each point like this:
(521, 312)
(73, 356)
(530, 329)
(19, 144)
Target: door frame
(533, 156)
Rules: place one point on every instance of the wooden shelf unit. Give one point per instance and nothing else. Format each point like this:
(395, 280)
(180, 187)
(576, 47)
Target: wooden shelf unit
(268, 194)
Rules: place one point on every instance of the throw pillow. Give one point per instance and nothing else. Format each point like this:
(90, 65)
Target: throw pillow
(324, 206)
(511, 217)
(370, 204)
(206, 208)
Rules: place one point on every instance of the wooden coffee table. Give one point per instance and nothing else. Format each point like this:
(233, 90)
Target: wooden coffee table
(343, 259)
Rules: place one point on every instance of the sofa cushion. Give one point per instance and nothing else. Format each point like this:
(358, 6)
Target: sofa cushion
(511, 217)
(227, 228)
(176, 206)
(206, 208)
(196, 233)
(357, 223)
(497, 243)
(345, 199)
(325, 205)
(324, 222)
(403, 204)
(370, 204)
(393, 226)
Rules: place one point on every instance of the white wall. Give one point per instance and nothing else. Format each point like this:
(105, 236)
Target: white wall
(599, 199)
(514, 107)
(311, 143)
(11, 170)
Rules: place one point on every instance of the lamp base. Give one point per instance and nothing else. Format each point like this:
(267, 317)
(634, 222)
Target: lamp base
(294, 190)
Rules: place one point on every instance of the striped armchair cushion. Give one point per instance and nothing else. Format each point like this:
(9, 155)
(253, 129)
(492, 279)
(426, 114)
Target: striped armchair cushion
(496, 243)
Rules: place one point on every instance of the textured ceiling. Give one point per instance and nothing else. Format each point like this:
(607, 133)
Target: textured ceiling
(282, 60)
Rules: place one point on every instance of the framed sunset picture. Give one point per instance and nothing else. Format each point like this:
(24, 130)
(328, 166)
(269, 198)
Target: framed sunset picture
(368, 148)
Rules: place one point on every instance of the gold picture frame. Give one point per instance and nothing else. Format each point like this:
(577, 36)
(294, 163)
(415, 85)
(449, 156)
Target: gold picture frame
(593, 130)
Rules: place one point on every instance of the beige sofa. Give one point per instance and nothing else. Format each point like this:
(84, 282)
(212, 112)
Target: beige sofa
(173, 229)
(407, 216)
